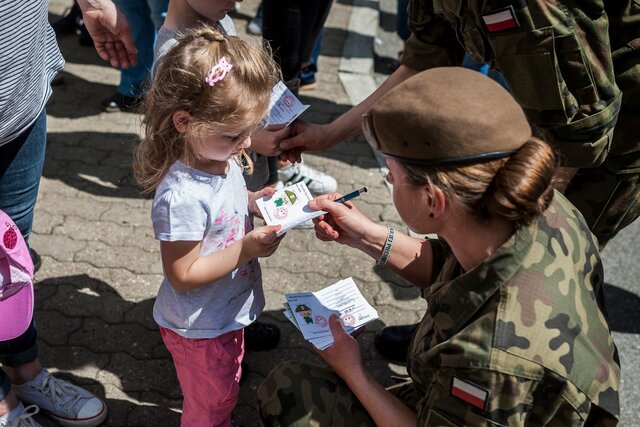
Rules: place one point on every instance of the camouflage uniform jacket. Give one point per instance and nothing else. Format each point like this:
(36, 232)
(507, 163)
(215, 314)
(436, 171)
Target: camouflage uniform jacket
(520, 339)
(557, 56)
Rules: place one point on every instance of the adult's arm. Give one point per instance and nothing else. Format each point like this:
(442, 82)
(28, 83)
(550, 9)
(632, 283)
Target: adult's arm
(432, 44)
(110, 32)
(345, 358)
(410, 257)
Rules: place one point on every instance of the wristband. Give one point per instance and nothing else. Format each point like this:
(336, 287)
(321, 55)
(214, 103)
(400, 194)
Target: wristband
(386, 249)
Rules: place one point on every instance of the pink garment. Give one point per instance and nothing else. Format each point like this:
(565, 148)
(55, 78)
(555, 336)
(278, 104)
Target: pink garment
(209, 373)
(16, 286)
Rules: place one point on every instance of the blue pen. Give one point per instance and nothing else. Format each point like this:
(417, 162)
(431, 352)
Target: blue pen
(351, 195)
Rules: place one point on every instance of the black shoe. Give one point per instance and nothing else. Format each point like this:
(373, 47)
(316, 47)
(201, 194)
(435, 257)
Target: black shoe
(85, 39)
(393, 342)
(260, 336)
(36, 259)
(69, 23)
(120, 102)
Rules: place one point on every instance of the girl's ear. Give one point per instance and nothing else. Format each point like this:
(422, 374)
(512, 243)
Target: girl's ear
(181, 120)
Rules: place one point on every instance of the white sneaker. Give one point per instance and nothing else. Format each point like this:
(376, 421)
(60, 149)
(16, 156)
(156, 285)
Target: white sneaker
(317, 182)
(255, 26)
(22, 420)
(67, 403)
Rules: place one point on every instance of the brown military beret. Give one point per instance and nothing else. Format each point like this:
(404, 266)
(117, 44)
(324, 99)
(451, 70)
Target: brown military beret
(447, 115)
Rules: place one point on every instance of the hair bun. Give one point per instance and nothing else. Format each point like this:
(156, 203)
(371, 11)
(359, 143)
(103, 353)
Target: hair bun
(523, 187)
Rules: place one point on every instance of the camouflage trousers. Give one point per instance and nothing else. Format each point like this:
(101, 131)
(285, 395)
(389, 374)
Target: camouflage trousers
(608, 201)
(303, 394)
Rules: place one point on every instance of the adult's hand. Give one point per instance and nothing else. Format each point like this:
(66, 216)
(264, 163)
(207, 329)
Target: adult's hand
(343, 223)
(110, 32)
(344, 355)
(308, 136)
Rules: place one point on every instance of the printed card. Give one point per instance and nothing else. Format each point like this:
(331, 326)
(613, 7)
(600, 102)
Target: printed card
(288, 207)
(310, 311)
(284, 106)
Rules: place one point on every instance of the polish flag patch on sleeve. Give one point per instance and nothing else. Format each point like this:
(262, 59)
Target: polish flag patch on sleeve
(470, 393)
(500, 20)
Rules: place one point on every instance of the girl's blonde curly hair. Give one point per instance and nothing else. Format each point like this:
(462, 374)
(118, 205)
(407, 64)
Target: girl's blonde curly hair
(238, 100)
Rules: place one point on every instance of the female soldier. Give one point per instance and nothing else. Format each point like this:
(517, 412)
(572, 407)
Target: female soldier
(514, 332)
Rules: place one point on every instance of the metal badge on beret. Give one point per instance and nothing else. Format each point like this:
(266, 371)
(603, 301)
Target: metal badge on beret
(446, 115)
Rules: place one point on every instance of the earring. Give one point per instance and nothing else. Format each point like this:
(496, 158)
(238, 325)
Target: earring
(431, 215)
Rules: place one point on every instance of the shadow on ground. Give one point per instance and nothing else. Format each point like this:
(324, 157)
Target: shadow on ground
(622, 307)
(95, 162)
(85, 326)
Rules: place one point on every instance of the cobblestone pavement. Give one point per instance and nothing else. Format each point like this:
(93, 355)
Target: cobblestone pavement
(101, 266)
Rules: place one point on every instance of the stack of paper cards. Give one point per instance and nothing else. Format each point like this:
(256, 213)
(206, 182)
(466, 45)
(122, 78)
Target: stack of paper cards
(284, 107)
(288, 207)
(310, 311)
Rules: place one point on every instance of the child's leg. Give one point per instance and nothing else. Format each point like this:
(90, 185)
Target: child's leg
(209, 374)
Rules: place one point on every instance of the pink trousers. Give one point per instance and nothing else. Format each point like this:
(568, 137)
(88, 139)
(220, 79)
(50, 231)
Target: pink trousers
(209, 374)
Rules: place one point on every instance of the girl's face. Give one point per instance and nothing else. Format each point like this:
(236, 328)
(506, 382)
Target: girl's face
(220, 147)
(213, 10)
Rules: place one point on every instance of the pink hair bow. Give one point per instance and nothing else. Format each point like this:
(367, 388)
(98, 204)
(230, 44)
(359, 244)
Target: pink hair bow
(218, 72)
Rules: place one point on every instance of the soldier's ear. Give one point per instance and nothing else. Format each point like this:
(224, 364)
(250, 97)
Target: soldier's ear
(436, 200)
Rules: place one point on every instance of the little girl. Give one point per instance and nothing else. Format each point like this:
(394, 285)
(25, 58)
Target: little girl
(208, 94)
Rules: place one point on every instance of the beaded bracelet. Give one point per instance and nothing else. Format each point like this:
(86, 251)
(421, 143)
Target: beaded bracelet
(386, 249)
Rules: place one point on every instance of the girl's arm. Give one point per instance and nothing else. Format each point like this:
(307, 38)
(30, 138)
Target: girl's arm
(345, 358)
(186, 269)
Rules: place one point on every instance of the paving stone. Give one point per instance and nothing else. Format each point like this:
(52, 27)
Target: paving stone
(103, 255)
(68, 205)
(77, 301)
(61, 248)
(162, 411)
(54, 328)
(133, 375)
(76, 364)
(103, 337)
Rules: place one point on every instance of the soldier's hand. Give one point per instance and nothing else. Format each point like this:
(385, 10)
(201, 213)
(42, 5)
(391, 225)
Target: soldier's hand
(344, 355)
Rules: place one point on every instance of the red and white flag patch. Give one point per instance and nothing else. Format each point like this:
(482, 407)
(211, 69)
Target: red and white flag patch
(500, 20)
(469, 393)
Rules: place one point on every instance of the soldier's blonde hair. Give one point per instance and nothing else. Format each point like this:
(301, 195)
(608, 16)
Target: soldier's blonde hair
(239, 100)
(517, 188)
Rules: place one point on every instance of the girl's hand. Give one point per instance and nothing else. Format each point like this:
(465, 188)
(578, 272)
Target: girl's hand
(255, 195)
(343, 223)
(261, 241)
(344, 355)
(267, 141)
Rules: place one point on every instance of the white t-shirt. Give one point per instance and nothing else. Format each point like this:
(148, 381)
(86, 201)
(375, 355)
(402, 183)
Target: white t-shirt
(196, 206)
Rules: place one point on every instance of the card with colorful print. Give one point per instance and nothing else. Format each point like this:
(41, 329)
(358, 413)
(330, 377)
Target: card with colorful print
(288, 207)
(310, 311)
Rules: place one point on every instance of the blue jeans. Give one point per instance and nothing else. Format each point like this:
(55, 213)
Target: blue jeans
(21, 162)
(145, 18)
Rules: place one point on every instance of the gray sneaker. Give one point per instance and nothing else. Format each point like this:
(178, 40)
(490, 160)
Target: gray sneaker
(67, 403)
(24, 419)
